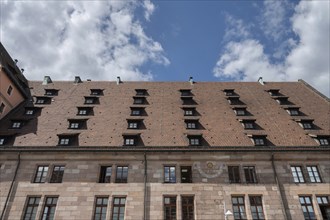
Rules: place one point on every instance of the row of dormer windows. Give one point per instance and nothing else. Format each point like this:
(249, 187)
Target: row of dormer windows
(132, 140)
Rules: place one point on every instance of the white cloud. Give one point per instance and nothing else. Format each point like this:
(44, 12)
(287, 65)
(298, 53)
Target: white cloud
(236, 28)
(149, 9)
(308, 59)
(273, 19)
(97, 40)
(246, 60)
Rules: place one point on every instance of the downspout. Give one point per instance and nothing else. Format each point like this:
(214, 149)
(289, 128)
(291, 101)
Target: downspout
(11, 185)
(145, 188)
(284, 202)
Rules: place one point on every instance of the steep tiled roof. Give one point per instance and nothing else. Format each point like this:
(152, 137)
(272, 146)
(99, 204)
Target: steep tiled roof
(164, 120)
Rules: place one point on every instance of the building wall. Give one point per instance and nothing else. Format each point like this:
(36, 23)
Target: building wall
(12, 100)
(210, 187)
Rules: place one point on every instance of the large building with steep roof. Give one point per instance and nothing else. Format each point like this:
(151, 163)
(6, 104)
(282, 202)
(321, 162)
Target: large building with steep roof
(166, 150)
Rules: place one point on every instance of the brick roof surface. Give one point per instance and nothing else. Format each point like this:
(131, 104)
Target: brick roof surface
(164, 122)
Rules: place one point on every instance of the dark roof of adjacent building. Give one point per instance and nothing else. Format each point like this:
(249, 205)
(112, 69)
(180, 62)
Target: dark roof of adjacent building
(9, 66)
(164, 120)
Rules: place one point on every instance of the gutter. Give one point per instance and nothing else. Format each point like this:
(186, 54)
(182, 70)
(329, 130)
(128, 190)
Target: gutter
(145, 188)
(284, 202)
(162, 149)
(11, 186)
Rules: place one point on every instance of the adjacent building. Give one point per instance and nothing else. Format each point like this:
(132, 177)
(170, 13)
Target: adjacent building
(166, 150)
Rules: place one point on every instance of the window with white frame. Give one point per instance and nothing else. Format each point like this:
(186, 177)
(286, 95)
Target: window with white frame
(314, 174)
(297, 174)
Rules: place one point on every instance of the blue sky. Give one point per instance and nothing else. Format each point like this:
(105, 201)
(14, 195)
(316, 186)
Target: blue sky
(280, 40)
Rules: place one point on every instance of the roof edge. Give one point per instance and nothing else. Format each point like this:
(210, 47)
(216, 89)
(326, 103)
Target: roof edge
(313, 89)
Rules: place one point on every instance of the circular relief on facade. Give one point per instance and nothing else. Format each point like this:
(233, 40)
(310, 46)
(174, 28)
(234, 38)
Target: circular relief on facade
(209, 169)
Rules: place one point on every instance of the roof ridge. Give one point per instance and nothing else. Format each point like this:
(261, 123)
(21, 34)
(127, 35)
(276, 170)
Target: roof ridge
(313, 89)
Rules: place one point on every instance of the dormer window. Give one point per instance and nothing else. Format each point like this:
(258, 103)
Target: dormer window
(186, 92)
(29, 111)
(2, 141)
(306, 124)
(96, 92)
(68, 139)
(51, 92)
(274, 92)
(323, 140)
(194, 140)
(189, 111)
(229, 92)
(283, 100)
(139, 100)
(85, 111)
(43, 100)
(90, 100)
(234, 100)
(248, 124)
(259, 140)
(134, 124)
(240, 111)
(191, 124)
(188, 101)
(130, 139)
(77, 124)
(17, 124)
(136, 111)
(64, 141)
(6, 140)
(141, 92)
(293, 111)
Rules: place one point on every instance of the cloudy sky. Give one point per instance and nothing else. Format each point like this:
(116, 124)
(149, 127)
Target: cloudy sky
(280, 40)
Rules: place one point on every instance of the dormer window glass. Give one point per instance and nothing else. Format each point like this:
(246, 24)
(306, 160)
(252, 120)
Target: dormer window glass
(274, 92)
(64, 141)
(6, 140)
(141, 92)
(29, 111)
(234, 100)
(306, 124)
(43, 100)
(2, 141)
(248, 124)
(68, 139)
(136, 111)
(84, 111)
(91, 100)
(259, 140)
(283, 100)
(293, 111)
(188, 101)
(96, 92)
(323, 140)
(77, 124)
(194, 140)
(133, 124)
(229, 92)
(139, 100)
(191, 124)
(17, 124)
(130, 140)
(186, 92)
(240, 111)
(189, 111)
(51, 92)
